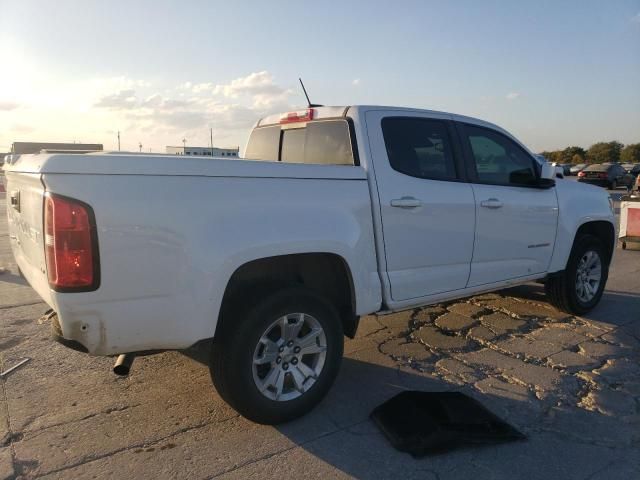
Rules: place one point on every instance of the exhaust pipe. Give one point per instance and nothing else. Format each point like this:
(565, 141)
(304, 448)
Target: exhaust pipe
(123, 364)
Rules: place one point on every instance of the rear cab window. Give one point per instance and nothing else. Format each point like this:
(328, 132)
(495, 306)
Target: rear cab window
(320, 142)
(264, 144)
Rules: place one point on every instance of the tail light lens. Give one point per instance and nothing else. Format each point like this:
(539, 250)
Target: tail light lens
(581, 174)
(71, 245)
(300, 116)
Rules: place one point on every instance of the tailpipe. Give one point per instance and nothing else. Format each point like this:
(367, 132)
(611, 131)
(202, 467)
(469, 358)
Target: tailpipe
(123, 364)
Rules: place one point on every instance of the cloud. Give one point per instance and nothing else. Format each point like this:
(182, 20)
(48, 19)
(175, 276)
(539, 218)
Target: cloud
(257, 83)
(124, 99)
(512, 96)
(260, 87)
(201, 87)
(7, 106)
(156, 115)
(181, 119)
(355, 82)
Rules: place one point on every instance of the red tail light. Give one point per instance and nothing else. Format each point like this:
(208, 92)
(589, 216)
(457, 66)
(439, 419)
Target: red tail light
(71, 245)
(581, 174)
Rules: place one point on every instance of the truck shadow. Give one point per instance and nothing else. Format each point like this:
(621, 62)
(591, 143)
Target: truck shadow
(9, 277)
(565, 438)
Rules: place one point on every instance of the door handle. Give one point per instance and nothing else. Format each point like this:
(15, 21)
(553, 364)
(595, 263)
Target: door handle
(491, 203)
(406, 202)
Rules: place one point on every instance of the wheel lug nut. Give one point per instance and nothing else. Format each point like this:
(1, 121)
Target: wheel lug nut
(296, 350)
(294, 361)
(290, 343)
(278, 360)
(285, 366)
(281, 349)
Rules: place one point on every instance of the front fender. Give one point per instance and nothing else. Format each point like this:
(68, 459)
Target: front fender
(578, 204)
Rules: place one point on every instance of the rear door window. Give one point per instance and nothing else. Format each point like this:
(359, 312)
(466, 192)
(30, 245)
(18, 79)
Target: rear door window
(419, 147)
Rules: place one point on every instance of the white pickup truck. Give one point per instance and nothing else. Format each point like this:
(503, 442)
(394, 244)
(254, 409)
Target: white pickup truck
(335, 213)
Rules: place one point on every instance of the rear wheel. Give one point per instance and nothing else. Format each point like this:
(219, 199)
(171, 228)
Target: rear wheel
(273, 361)
(613, 185)
(579, 287)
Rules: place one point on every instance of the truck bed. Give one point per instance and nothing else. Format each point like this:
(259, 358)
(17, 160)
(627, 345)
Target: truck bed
(172, 231)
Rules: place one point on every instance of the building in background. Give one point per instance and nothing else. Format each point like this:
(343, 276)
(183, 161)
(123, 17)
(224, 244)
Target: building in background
(204, 151)
(20, 148)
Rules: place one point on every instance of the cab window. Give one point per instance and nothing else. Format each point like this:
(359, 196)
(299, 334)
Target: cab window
(419, 147)
(499, 160)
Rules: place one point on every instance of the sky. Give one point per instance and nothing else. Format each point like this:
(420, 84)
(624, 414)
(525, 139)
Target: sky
(554, 73)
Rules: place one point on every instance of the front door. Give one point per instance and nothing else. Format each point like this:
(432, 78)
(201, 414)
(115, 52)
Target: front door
(427, 211)
(515, 221)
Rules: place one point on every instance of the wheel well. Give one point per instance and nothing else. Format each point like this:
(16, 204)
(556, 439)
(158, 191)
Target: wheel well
(601, 229)
(326, 273)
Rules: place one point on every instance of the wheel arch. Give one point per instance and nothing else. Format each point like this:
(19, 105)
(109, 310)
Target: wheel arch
(603, 230)
(326, 273)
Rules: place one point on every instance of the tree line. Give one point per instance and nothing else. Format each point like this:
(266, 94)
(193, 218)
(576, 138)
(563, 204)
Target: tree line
(601, 152)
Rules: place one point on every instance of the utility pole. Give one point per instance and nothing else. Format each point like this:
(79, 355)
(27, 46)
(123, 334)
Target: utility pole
(184, 146)
(140, 145)
(211, 134)
(118, 140)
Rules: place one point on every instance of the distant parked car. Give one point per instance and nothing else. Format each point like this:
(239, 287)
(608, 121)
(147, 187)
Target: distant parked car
(609, 175)
(628, 167)
(566, 168)
(576, 169)
(635, 170)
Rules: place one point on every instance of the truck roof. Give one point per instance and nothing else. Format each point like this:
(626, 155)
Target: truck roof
(353, 110)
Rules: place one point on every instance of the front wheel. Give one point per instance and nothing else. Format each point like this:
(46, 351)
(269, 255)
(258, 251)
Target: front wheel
(579, 288)
(276, 359)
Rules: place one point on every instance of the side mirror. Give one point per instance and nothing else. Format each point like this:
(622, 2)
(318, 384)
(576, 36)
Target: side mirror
(559, 172)
(548, 171)
(548, 174)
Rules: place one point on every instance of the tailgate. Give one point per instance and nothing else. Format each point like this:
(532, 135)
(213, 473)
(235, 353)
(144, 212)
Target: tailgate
(25, 203)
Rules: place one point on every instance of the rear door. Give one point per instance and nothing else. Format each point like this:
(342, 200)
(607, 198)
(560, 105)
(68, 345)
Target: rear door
(515, 221)
(427, 208)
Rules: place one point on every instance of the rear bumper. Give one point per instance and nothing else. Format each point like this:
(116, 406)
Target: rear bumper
(56, 334)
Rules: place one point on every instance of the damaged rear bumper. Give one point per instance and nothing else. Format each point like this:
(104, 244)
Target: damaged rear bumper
(56, 334)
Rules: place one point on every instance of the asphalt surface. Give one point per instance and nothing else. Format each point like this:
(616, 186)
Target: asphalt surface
(572, 385)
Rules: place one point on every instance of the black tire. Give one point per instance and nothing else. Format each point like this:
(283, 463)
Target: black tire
(561, 289)
(613, 185)
(242, 326)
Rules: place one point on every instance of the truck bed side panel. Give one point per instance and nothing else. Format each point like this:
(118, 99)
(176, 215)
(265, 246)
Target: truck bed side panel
(168, 246)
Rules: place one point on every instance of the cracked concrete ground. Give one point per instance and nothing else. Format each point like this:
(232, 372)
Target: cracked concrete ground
(572, 385)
